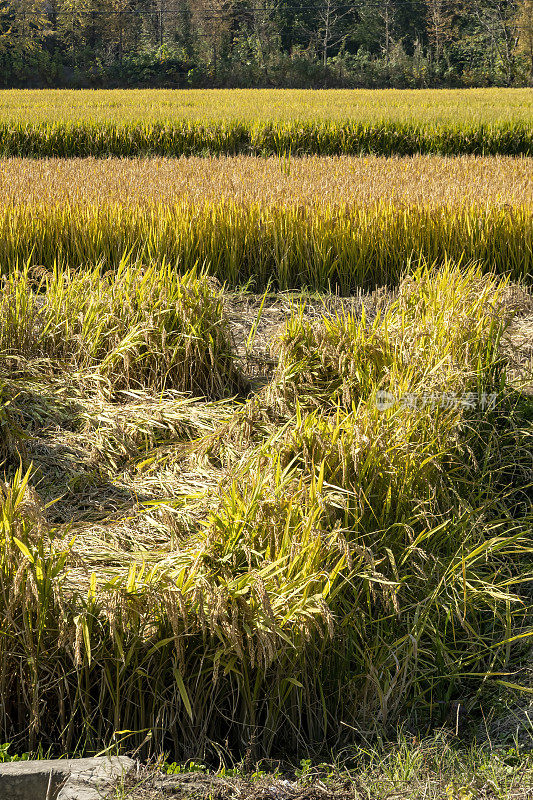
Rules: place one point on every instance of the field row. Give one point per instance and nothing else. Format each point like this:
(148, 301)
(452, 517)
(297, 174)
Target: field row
(187, 138)
(311, 181)
(427, 108)
(286, 247)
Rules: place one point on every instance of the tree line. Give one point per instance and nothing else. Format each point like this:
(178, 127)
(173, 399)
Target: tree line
(292, 43)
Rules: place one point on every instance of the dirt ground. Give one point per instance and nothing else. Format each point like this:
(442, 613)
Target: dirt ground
(420, 785)
(212, 787)
(269, 313)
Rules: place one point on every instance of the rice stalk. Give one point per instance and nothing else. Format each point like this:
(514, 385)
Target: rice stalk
(293, 247)
(135, 327)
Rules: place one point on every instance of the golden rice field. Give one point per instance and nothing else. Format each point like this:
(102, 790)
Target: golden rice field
(291, 247)
(130, 123)
(313, 222)
(336, 222)
(240, 519)
(423, 106)
(430, 181)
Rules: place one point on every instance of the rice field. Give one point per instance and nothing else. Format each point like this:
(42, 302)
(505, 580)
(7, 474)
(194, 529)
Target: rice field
(319, 248)
(420, 106)
(266, 433)
(310, 181)
(321, 223)
(127, 123)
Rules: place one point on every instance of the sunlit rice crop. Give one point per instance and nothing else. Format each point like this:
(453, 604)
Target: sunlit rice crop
(311, 181)
(205, 543)
(136, 327)
(289, 246)
(427, 106)
(173, 123)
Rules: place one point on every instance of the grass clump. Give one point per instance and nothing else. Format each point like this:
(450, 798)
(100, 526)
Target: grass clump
(331, 362)
(134, 327)
(397, 517)
(439, 334)
(428, 767)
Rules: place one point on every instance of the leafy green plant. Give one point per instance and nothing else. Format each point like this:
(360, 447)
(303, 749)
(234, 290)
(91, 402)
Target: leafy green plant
(6, 757)
(173, 768)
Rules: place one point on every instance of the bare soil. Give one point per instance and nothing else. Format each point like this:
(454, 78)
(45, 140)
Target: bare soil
(213, 787)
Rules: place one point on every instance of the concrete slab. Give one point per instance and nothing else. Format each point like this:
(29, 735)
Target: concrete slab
(62, 779)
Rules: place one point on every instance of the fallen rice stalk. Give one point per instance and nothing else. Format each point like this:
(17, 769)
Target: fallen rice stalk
(350, 563)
